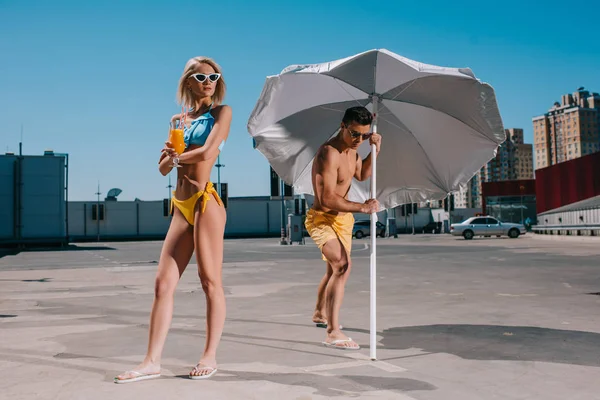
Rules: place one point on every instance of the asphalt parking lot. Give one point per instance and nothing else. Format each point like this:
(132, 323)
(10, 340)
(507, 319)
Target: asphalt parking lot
(481, 319)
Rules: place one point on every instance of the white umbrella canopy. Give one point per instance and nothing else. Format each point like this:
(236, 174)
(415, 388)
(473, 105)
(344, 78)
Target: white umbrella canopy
(439, 125)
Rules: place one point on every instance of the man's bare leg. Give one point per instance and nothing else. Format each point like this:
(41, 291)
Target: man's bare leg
(320, 315)
(334, 293)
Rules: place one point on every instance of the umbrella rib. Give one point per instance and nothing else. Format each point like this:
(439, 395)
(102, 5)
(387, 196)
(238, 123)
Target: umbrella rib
(324, 107)
(336, 80)
(407, 197)
(411, 83)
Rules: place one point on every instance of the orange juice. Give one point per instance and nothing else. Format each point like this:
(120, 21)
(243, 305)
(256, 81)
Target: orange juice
(176, 139)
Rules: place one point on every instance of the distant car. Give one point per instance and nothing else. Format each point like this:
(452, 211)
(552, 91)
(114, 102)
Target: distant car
(363, 228)
(433, 227)
(486, 226)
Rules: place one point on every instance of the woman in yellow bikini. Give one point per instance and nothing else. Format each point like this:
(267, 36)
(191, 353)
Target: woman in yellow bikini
(198, 222)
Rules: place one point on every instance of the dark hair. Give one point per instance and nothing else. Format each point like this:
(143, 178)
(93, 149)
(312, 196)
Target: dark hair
(358, 114)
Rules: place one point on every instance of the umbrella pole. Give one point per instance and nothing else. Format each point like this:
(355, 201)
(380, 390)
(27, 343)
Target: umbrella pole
(373, 279)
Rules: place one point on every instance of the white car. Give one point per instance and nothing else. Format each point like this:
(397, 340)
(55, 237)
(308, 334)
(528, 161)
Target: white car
(486, 226)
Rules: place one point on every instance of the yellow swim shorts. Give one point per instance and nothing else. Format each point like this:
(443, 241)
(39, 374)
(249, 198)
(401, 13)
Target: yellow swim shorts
(323, 227)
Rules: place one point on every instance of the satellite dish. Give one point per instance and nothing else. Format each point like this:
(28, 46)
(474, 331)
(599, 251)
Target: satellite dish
(112, 194)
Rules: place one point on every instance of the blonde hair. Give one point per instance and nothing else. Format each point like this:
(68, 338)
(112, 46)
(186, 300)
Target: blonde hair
(185, 96)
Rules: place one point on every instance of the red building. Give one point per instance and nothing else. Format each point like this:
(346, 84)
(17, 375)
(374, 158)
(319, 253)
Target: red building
(510, 201)
(567, 182)
(525, 187)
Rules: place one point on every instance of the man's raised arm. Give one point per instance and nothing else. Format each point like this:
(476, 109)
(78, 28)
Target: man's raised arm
(366, 164)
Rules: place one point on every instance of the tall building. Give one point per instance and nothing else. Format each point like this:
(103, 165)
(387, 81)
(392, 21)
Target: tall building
(523, 156)
(470, 195)
(513, 161)
(570, 129)
(461, 198)
(501, 167)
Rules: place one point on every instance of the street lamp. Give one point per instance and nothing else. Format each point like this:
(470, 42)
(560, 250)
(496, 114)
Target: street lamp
(219, 166)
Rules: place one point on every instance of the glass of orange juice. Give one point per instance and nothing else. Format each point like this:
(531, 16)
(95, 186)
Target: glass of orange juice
(177, 141)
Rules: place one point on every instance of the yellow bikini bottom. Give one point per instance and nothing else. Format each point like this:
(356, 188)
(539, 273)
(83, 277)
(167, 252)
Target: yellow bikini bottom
(188, 206)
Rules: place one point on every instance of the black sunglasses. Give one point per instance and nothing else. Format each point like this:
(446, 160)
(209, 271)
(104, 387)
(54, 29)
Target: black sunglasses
(202, 77)
(356, 135)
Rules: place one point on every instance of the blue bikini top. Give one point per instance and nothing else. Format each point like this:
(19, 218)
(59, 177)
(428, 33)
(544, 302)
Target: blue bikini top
(199, 130)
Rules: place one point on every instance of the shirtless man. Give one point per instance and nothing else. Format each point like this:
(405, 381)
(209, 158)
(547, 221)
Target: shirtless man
(330, 221)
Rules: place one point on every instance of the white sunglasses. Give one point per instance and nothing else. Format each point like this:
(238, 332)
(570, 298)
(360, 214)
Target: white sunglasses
(202, 77)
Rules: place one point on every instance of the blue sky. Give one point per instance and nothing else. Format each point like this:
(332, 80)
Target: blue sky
(97, 80)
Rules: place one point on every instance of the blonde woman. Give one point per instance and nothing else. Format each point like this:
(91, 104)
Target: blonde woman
(198, 222)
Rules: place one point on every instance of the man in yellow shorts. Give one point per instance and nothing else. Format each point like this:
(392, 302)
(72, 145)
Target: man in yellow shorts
(330, 221)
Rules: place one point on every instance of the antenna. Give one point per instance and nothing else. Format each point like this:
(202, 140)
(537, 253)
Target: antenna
(98, 193)
(21, 142)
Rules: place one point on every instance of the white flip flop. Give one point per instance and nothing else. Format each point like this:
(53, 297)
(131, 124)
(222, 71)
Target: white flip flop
(138, 376)
(335, 342)
(196, 377)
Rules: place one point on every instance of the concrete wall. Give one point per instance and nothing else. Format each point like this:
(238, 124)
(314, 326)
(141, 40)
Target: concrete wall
(246, 217)
(581, 217)
(128, 219)
(575, 223)
(255, 216)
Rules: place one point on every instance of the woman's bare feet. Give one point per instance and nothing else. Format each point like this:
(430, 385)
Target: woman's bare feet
(204, 369)
(142, 371)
